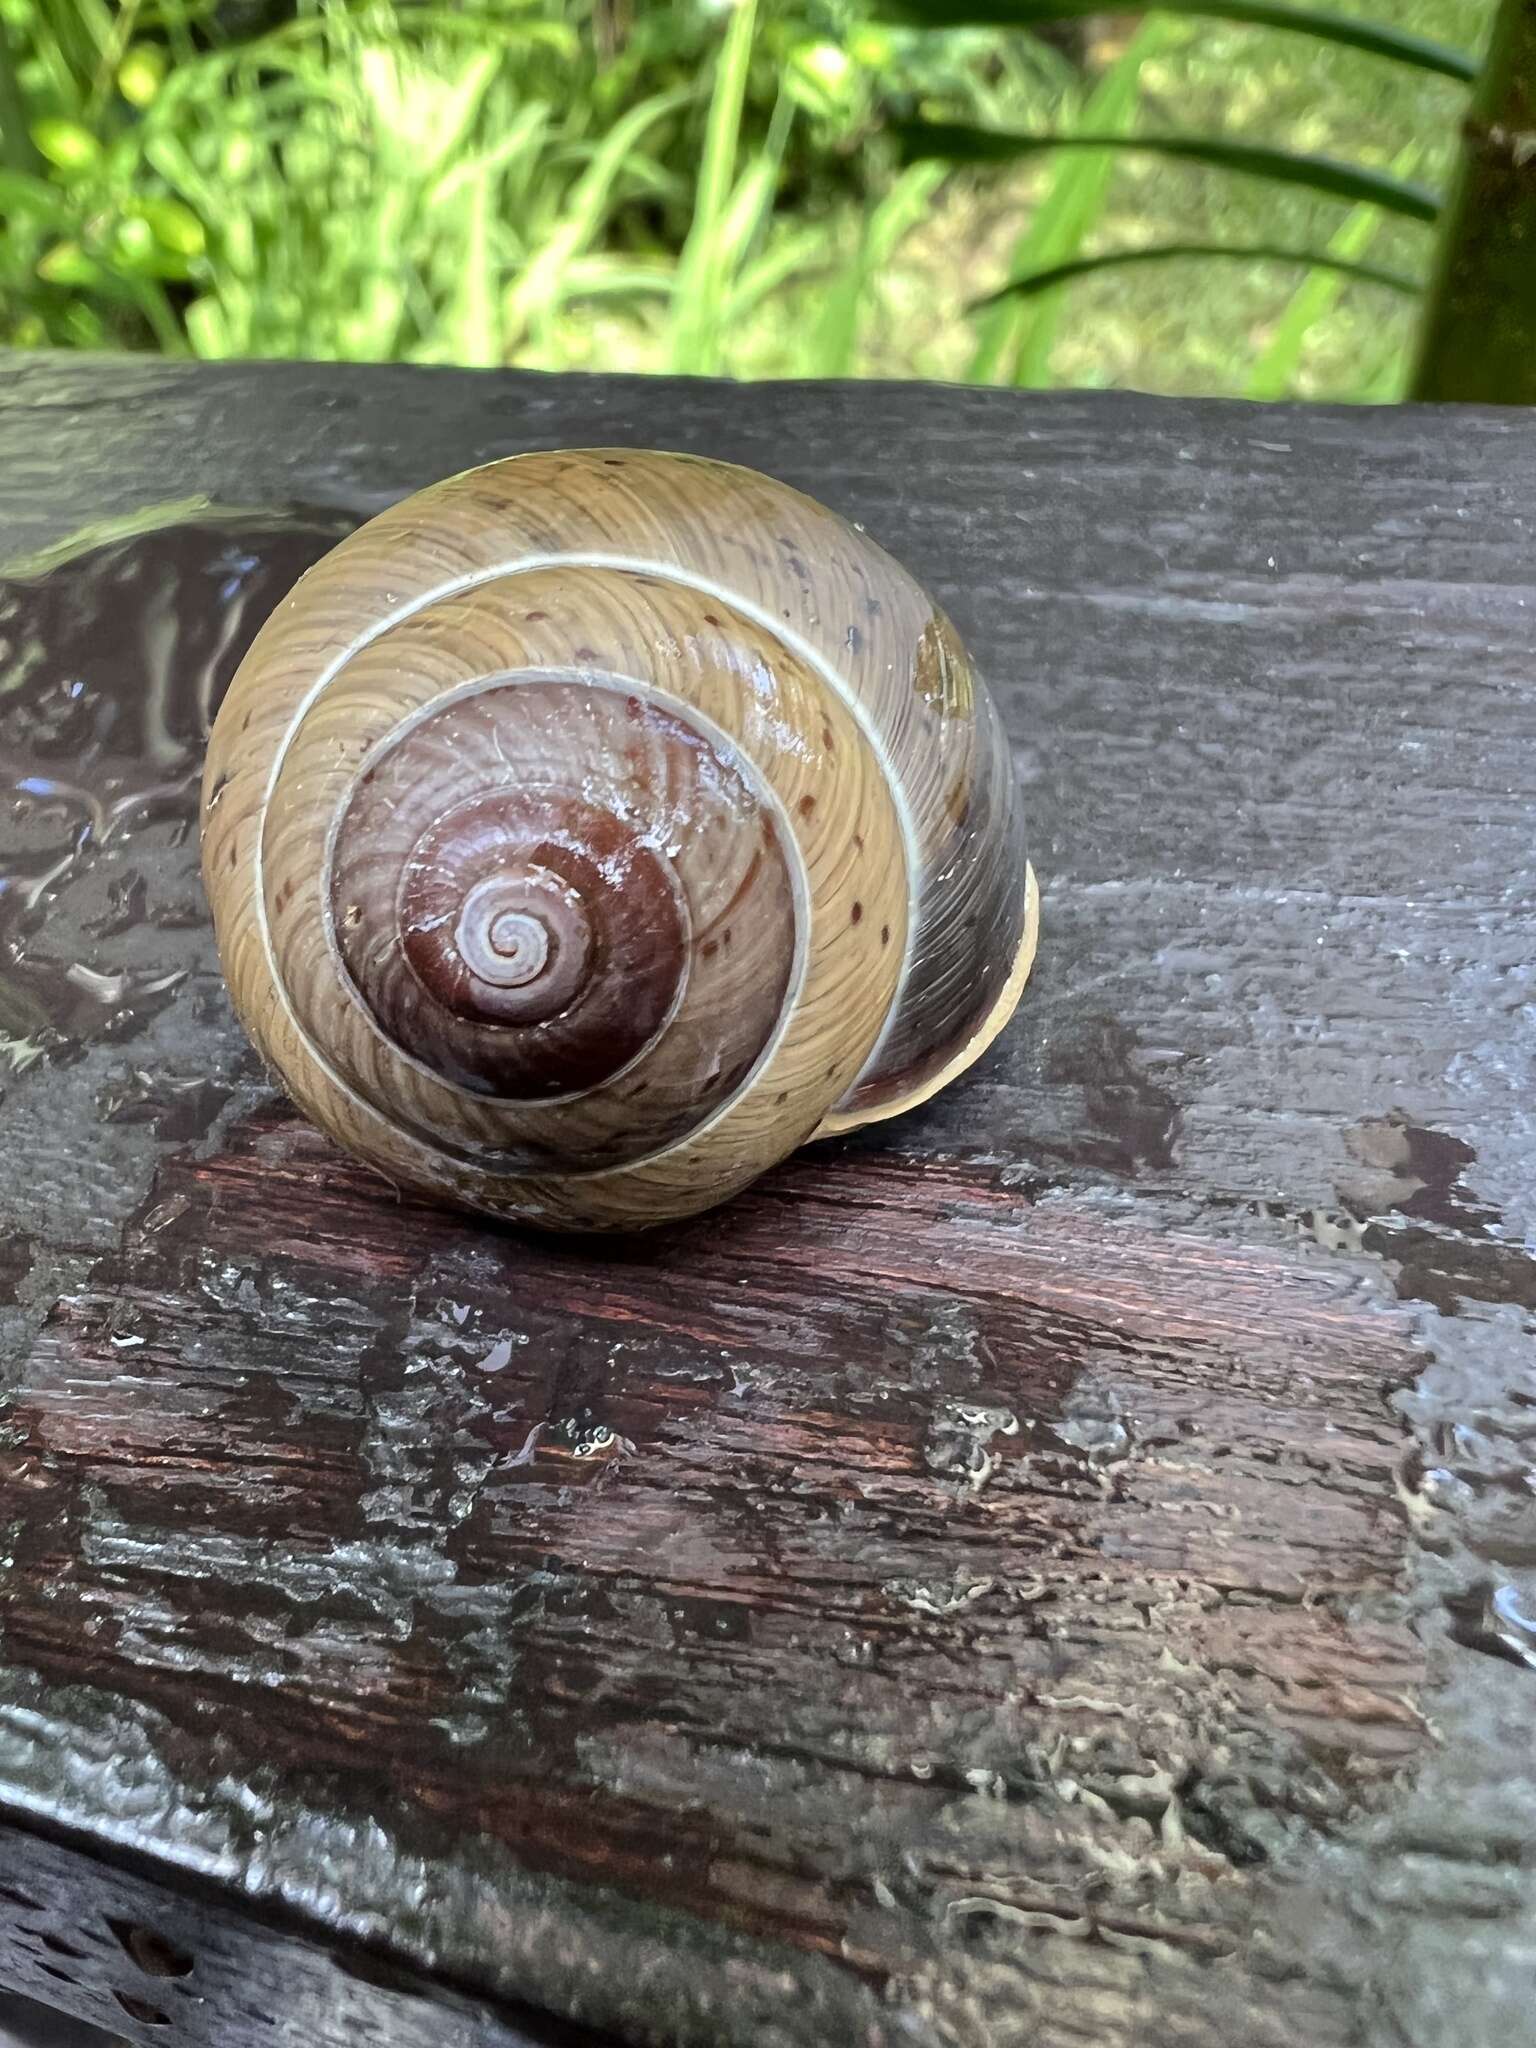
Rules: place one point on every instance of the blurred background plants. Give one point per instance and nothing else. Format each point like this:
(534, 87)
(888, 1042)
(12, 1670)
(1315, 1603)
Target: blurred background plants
(672, 184)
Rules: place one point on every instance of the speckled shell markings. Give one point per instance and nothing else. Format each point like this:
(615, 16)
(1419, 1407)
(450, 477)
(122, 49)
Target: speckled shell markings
(703, 764)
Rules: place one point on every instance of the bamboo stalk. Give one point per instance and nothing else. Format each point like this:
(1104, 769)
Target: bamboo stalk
(1477, 340)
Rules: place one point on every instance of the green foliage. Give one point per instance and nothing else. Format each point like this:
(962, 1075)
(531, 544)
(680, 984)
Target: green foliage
(718, 186)
(727, 215)
(956, 143)
(1381, 39)
(1039, 281)
(1016, 338)
(1275, 371)
(444, 182)
(1041, 274)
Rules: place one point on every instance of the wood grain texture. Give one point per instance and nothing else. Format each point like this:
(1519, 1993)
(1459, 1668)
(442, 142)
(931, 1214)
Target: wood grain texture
(150, 1961)
(1054, 1568)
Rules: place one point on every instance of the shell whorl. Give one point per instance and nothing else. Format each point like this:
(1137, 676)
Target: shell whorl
(563, 853)
(544, 889)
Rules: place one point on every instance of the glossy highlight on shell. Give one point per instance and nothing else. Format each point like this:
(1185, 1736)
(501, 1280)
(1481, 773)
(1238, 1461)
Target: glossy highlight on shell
(529, 885)
(591, 829)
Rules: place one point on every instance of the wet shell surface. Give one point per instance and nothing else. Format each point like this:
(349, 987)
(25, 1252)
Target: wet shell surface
(591, 829)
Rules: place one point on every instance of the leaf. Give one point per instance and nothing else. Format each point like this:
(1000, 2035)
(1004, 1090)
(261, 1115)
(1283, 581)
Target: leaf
(419, 116)
(67, 263)
(476, 329)
(140, 74)
(793, 253)
(22, 194)
(1320, 23)
(176, 227)
(957, 143)
(749, 208)
(133, 244)
(18, 152)
(537, 291)
(820, 76)
(1259, 252)
(170, 158)
(208, 330)
(558, 36)
(830, 349)
(458, 108)
(157, 310)
(67, 144)
(598, 277)
(698, 299)
(524, 136)
(1386, 382)
(1274, 372)
(1015, 338)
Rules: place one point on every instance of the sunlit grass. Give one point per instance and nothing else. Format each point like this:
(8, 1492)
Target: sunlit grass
(519, 182)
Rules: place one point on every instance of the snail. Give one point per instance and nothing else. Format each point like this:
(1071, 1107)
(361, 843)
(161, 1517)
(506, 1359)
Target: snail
(588, 831)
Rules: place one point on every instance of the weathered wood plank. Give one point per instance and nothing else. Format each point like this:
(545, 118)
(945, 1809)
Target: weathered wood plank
(152, 1961)
(1051, 1569)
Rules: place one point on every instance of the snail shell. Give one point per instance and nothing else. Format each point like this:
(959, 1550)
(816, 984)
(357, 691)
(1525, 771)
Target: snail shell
(588, 831)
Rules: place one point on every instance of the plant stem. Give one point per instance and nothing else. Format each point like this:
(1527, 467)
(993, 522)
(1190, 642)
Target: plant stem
(111, 57)
(699, 292)
(1273, 374)
(1478, 338)
(17, 149)
(1016, 339)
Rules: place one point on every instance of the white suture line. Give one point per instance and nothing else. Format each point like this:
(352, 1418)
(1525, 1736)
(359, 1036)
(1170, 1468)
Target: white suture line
(666, 572)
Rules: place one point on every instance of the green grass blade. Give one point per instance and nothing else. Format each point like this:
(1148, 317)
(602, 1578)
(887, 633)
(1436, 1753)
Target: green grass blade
(476, 330)
(1322, 24)
(605, 277)
(209, 331)
(81, 31)
(159, 314)
(699, 297)
(1256, 252)
(1015, 339)
(536, 296)
(795, 254)
(22, 195)
(1387, 383)
(523, 137)
(832, 344)
(957, 143)
(419, 116)
(1274, 372)
(461, 104)
(169, 156)
(748, 209)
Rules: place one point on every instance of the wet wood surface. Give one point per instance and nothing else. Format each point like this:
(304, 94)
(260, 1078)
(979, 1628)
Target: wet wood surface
(1057, 1568)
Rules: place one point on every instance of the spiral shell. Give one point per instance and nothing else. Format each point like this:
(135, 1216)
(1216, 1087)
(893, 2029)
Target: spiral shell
(591, 829)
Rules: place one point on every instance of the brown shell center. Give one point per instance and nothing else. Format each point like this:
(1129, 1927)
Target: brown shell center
(543, 883)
